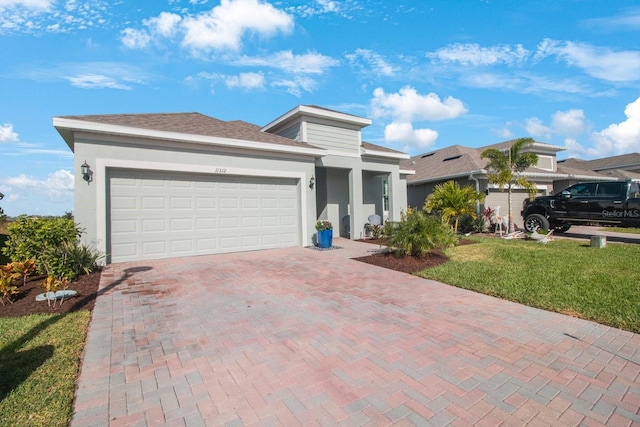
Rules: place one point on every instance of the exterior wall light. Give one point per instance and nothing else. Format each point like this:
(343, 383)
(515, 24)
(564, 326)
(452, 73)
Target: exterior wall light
(312, 182)
(86, 172)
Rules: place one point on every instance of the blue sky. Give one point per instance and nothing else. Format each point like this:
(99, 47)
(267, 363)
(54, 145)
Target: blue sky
(430, 74)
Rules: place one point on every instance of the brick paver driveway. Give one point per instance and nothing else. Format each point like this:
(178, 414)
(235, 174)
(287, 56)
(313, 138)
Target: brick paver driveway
(302, 337)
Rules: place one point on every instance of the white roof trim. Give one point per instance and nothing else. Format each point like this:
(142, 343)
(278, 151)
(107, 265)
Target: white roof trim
(407, 172)
(94, 127)
(317, 112)
(376, 153)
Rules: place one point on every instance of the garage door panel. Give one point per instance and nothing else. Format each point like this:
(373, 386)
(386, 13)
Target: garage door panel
(182, 224)
(182, 247)
(160, 215)
(181, 203)
(228, 203)
(154, 203)
(206, 203)
(122, 203)
(206, 224)
(154, 248)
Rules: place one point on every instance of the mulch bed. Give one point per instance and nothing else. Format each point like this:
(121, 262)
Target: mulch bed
(405, 264)
(25, 301)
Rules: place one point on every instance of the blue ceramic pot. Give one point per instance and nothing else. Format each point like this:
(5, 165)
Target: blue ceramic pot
(324, 238)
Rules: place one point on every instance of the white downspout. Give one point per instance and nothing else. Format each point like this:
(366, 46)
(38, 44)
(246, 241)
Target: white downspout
(474, 179)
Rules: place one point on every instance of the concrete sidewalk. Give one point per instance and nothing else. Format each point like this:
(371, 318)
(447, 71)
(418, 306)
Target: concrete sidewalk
(304, 337)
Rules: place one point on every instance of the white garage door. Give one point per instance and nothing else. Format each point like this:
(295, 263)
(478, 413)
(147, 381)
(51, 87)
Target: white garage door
(501, 198)
(157, 215)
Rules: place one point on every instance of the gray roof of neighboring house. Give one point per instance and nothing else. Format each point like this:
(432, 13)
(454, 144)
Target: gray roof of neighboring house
(192, 124)
(613, 162)
(456, 160)
(448, 161)
(507, 144)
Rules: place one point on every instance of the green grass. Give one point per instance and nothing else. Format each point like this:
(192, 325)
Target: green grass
(630, 230)
(39, 362)
(599, 284)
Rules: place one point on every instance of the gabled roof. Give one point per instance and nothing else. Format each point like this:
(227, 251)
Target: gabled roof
(455, 160)
(378, 150)
(537, 147)
(191, 127)
(614, 162)
(458, 161)
(315, 111)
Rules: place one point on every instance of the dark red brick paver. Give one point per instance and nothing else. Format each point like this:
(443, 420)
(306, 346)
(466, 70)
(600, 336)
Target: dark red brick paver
(305, 337)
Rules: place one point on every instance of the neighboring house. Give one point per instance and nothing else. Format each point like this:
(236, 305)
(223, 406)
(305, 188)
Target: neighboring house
(622, 167)
(183, 184)
(464, 165)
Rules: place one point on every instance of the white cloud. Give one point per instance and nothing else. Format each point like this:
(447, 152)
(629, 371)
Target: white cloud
(29, 4)
(135, 39)
(476, 55)
(318, 8)
(96, 81)
(56, 187)
(568, 123)
(627, 20)
(623, 137)
(246, 81)
(224, 26)
(297, 85)
(7, 134)
(404, 133)
(309, 63)
(165, 24)
(504, 132)
(221, 28)
(598, 62)
(38, 16)
(536, 128)
(407, 105)
(374, 62)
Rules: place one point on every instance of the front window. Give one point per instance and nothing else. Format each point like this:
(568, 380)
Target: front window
(583, 190)
(385, 194)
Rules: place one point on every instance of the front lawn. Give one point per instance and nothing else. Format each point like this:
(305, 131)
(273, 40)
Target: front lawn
(39, 362)
(565, 276)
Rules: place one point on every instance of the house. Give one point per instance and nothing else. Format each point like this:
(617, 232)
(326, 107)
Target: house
(622, 167)
(169, 185)
(465, 165)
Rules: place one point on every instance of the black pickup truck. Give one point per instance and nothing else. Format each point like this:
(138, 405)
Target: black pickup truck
(610, 202)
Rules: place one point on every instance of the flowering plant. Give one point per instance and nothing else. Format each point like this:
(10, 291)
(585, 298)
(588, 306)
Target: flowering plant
(323, 224)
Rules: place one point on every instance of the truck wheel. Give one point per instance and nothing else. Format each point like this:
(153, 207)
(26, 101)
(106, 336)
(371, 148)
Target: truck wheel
(562, 228)
(536, 221)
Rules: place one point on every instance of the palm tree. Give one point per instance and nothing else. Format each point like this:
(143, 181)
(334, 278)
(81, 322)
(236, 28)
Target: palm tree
(452, 202)
(506, 167)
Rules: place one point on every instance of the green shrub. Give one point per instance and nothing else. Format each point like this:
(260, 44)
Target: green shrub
(53, 244)
(69, 260)
(417, 234)
(34, 238)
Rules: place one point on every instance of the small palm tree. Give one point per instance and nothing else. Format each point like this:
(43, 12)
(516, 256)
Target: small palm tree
(453, 202)
(506, 169)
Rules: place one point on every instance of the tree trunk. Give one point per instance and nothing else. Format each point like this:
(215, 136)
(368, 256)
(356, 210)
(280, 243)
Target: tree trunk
(510, 230)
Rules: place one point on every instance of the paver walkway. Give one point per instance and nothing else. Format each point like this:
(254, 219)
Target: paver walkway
(305, 337)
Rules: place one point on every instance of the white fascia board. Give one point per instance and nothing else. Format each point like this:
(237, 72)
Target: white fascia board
(547, 147)
(448, 177)
(317, 112)
(567, 176)
(80, 125)
(375, 153)
(407, 172)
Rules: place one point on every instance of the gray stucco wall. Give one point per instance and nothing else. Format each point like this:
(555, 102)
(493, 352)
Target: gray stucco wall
(102, 152)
